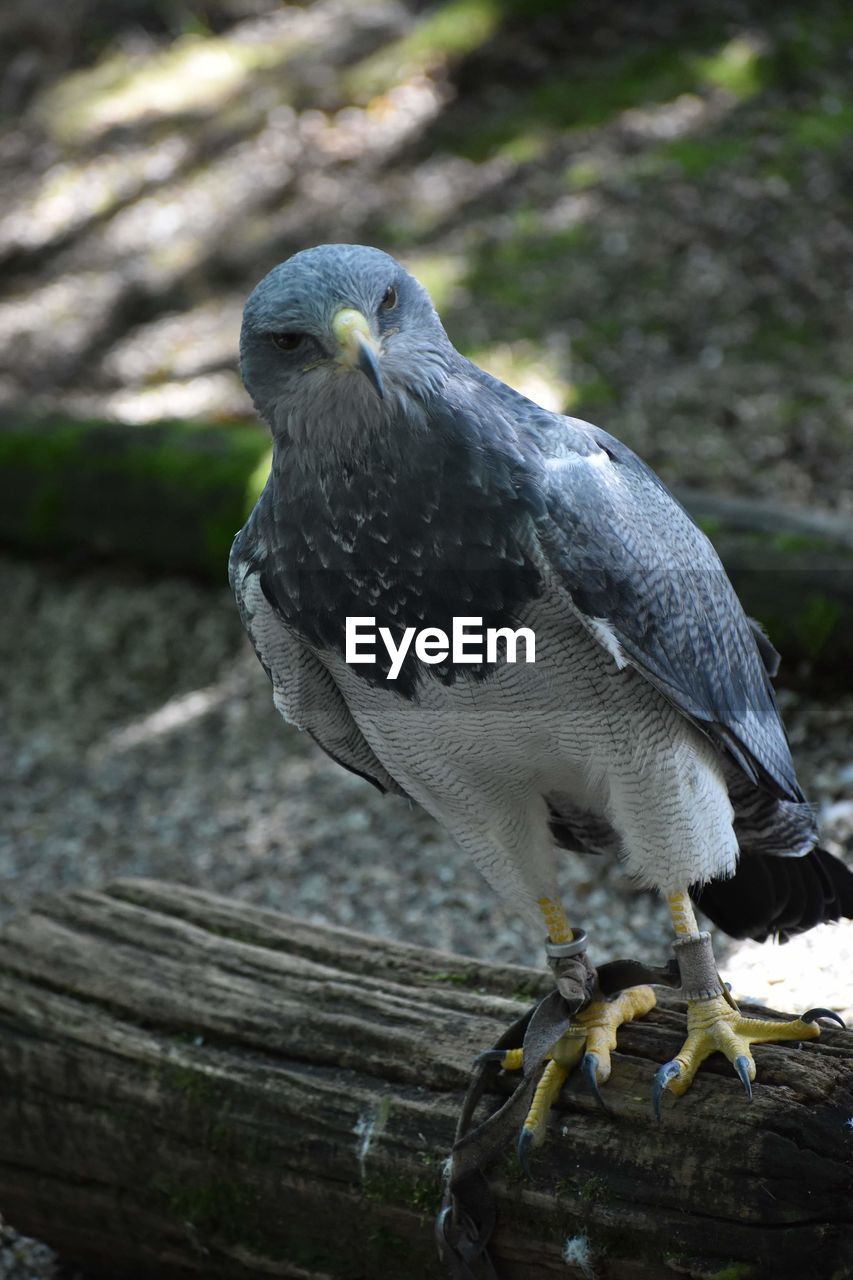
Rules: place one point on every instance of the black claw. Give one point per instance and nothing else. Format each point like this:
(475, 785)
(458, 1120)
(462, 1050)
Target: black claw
(589, 1070)
(812, 1015)
(669, 1071)
(525, 1145)
(742, 1068)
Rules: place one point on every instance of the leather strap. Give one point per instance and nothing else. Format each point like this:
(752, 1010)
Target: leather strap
(467, 1217)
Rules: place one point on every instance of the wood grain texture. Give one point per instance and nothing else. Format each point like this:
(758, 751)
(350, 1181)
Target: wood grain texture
(193, 1087)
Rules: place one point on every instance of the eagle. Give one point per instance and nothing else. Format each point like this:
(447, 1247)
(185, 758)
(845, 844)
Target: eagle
(410, 489)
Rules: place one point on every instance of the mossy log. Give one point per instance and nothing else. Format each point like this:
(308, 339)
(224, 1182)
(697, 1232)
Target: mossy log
(793, 570)
(171, 495)
(192, 1087)
(165, 495)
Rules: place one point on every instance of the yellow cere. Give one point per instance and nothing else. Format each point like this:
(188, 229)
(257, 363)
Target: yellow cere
(350, 329)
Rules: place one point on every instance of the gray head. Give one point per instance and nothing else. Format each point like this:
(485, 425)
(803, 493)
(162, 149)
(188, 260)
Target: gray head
(340, 339)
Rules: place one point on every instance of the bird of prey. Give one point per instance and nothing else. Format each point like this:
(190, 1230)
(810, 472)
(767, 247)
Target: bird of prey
(412, 488)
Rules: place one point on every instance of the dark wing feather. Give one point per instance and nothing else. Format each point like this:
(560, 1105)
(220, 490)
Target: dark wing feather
(304, 690)
(781, 896)
(629, 555)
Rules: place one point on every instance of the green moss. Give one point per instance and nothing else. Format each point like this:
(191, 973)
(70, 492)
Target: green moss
(444, 32)
(526, 991)
(511, 1171)
(192, 1083)
(773, 335)
(196, 73)
(93, 485)
(452, 29)
(524, 147)
(696, 156)
(821, 130)
(439, 273)
(213, 1204)
(809, 38)
(582, 174)
(584, 99)
(424, 1195)
(519, 282)
(455, 979)
(737, 67)
(594, 392)
(735, 1271)
(816, 623)
(385, 1244)
(711, 526)
(797, 542)
(592, 1189)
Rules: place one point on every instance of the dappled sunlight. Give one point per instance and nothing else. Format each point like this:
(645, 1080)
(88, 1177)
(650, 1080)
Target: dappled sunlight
(791, 977)
(45, 329)
(181, 344)
(737, 66)
(532, 370)
(194, 74)
(211, 396)
(174, 716)
(179, 223)
(548, 191)
(684, 116)
(72, 194)
(560, 182)
(441, 274)
(448, 30)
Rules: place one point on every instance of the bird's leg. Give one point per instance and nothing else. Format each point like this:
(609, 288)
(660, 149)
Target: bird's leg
(592, 1035)
(714, 1022)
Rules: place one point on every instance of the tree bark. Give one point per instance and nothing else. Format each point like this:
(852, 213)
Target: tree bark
(193, 1087)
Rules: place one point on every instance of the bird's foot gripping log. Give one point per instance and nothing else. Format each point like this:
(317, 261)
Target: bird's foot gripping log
(714, 1022)
(575, 1023)
(588, 1040)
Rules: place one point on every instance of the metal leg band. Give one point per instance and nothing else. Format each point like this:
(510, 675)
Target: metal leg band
(573, 973)
(563, 950)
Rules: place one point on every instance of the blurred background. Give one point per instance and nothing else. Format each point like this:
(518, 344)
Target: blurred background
(641, 214)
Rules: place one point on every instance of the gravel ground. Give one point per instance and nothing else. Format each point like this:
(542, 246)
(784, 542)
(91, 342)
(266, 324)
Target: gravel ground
(139, 738)
(25, 1259)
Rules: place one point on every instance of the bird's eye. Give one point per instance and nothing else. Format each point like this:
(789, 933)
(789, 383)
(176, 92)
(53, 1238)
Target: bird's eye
(389, 301)
(287, 341)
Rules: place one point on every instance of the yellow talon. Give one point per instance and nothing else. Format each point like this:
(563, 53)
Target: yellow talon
(553, 1079)
(713, 1026)
(512, 1060)
(591, 1037)
(602, 1019)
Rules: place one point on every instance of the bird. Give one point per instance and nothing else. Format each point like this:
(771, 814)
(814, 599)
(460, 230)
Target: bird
(410, 489)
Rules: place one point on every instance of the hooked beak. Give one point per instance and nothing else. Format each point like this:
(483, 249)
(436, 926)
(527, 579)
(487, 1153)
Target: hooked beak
(358, 348)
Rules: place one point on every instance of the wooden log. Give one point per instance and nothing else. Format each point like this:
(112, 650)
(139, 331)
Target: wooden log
(792, 569)
(192, 1087)
(165, 495)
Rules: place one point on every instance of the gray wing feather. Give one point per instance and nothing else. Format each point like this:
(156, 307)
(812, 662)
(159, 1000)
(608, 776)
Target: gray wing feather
(304, 691)
(630, 556)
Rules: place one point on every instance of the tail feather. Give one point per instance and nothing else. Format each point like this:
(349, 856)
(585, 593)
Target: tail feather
(781, 896)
